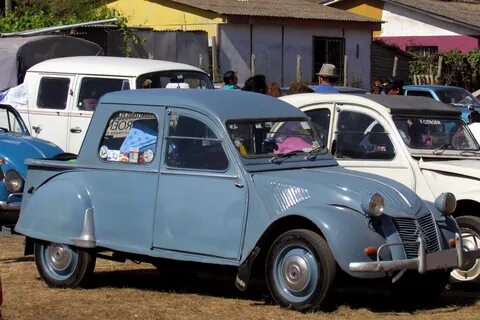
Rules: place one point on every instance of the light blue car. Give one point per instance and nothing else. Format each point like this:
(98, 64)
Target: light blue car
(230, 178)
(455, 96)
(16, 145)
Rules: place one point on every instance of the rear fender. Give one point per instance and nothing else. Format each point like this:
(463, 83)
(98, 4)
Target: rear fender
(59, 211)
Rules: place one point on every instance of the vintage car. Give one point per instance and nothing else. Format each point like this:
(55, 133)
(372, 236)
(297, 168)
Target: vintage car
(417, 141)
(16, 145)
(455, 96)
(229, 178)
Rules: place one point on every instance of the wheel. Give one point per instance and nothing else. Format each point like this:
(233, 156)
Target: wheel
(470, 228)
(63, 266)
(300, 269)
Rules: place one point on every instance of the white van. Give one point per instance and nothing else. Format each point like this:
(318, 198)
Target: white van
(63, 92)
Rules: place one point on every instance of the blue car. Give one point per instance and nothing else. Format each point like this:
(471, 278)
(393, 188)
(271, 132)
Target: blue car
(16, 145)
(230, 178)
(455, 96)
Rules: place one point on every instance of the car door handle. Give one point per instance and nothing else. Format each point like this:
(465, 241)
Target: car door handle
(76, 130)
(238, 183)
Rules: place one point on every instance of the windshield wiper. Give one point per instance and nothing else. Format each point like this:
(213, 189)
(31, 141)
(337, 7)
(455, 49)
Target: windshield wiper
(278, 158)
(312, 154)
(442, 148)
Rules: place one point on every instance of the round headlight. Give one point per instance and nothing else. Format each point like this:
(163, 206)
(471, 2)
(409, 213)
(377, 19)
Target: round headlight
(375, 205)
(13, 181)
(446, 203)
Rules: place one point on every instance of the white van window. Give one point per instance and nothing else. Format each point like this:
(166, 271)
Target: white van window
(53, 93)
(91, 89)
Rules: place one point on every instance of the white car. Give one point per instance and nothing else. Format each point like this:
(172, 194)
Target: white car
(417, 141)
(63, 92)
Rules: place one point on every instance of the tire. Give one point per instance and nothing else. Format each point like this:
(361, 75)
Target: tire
(300, 270)
(63, 266)
(470, 228)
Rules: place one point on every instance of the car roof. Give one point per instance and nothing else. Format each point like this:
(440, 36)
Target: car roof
(222, 104)
(430, 87)
(396, 105)
(115, 66)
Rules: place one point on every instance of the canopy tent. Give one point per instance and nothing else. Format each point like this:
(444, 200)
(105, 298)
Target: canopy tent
(18, 54)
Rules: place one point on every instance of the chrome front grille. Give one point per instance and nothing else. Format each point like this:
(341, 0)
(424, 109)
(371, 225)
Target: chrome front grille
(410, 229)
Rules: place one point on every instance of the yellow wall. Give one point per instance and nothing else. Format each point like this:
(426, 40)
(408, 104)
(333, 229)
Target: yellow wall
(368, 8)
(166, 15)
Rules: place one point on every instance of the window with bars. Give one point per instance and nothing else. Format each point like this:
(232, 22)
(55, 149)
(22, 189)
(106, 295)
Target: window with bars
(328, 50)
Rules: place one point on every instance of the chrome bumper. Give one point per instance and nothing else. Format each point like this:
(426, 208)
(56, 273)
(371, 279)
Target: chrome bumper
(455, 258)
(11, 205)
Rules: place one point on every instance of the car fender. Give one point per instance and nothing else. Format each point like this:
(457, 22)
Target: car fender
(63, 193)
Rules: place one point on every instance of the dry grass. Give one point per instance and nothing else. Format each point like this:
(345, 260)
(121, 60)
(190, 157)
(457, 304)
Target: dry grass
(131, 291)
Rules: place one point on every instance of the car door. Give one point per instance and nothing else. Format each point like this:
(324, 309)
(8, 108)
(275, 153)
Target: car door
(363, 140)
(201, 204)
(48, 115)
(89, 90)
(345, 140)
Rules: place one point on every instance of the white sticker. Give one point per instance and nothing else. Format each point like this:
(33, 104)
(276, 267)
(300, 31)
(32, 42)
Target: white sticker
(113, 155)
(258, 126)
(103, 152)
(148, 156)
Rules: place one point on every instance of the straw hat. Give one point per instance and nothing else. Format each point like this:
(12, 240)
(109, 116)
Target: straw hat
(328, 71)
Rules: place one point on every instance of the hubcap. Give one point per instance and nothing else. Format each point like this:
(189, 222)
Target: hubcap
(295, 273)
(58, 256)
(471, 270)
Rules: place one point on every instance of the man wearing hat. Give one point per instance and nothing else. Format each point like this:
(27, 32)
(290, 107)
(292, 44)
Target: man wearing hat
(327, 76)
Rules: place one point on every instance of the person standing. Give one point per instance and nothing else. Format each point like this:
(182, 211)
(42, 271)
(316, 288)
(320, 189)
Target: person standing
(327, 76)
(230, 81)
(394, 87)
(474, 124)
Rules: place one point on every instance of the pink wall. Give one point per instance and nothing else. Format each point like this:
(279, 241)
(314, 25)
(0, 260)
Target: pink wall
(444, 43)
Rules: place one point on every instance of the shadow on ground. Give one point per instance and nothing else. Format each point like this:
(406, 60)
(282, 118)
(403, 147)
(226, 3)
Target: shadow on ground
(375, 299)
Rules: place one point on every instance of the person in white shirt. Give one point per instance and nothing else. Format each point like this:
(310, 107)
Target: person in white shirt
(474, 124)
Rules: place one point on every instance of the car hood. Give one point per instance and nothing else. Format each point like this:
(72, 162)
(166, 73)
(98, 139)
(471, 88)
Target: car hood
(15, 148)
(335, 187)
(470, 168)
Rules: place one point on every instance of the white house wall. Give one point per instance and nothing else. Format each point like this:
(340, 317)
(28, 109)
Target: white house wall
(406, 22)
(234, 53)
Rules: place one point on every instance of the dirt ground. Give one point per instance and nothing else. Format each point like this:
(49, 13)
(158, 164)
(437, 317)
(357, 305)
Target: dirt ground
(138, 291)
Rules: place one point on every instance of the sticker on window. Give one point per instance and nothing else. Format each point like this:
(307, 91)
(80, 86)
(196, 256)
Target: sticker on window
(148, 156)
(113, 155)
(305, 125)
(103, 152)
(430, 122)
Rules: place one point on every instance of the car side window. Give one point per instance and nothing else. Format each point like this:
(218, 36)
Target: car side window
(53, 93)
(91, 89)
(415, 93)
(321, 119)
(191, 144)
(130, 137)
(360, 136)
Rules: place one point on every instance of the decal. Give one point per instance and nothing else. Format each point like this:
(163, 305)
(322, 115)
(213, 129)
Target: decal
(133, 157)
(430, 122)
(103, 153)
(124, 157)
(113, 155)
(148, 156)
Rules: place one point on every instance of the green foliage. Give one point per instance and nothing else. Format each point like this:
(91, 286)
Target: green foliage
(34, 14)
(458, 69)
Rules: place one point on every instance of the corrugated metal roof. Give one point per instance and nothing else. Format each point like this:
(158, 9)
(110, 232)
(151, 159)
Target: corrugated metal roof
(298, 9)
(465, 12)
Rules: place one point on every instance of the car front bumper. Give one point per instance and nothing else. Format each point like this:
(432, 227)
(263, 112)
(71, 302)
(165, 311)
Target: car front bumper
(450, 258)
(10, 204)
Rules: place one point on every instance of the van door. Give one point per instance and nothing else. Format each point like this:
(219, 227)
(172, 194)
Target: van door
(48, 115)
(89, 90)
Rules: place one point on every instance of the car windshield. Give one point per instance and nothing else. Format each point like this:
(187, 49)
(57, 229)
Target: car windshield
(274, 138)
(436, 134)
(176, 79)
(456, 96)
